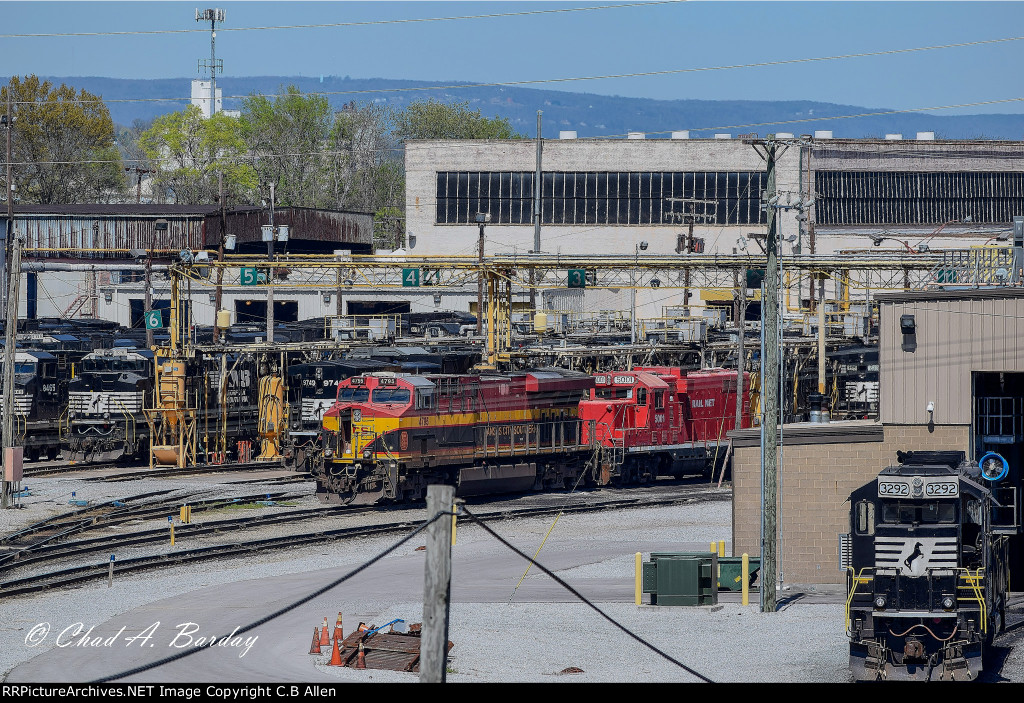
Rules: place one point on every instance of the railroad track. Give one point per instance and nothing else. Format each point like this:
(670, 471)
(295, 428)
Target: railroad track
(79, 574)
(140, 472)
(108, 515)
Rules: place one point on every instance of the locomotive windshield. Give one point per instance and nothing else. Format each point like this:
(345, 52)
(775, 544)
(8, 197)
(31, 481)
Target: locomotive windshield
(114, 364)
(391, 395)
(354, 395)
(918, 513)
(613, 393)
(22, 367)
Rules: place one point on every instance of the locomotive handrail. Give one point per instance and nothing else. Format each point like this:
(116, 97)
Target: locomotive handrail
(974, 584)
(129, 418)
(856, 578)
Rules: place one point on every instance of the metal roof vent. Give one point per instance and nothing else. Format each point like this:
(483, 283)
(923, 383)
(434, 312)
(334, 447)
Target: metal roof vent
(723, 136)
(926, 136)
(783, 135)
(568, 134)
(681, 134)
(893, 137)
(635, 135)
(823, 134)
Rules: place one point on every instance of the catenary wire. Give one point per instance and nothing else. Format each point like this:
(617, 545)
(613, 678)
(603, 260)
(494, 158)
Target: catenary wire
(324, 25)
(539, 81)
(582, 598)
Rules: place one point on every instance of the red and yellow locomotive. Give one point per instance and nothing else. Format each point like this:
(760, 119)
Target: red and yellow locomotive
(389, 435)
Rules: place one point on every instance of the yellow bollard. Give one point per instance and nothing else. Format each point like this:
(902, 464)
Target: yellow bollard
(453, 529)
(714, 548)
(721, 547)
(745, 579)
(638, 590)
(172, 534)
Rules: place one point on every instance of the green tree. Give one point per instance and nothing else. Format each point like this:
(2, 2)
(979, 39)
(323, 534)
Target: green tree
(366, 171)
(187, 152)
(286, 139)
(62, 143)
(431, 119)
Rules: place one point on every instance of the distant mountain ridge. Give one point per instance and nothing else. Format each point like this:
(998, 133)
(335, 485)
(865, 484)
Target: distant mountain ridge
(588, 114)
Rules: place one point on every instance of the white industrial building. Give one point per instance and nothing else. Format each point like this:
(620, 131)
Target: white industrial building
(609, 195)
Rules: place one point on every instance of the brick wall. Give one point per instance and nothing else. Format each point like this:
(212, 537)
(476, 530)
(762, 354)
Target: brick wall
(821, 465)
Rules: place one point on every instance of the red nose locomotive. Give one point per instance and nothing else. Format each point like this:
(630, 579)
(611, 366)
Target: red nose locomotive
(659, 420)
(390, 435)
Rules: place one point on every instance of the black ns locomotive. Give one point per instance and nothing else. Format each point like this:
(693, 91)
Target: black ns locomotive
(927, 561)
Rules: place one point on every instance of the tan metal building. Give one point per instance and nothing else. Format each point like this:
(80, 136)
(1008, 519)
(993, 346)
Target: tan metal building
(959, 353)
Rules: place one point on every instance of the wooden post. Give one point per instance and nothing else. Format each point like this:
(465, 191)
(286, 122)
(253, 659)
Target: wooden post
(436, 587)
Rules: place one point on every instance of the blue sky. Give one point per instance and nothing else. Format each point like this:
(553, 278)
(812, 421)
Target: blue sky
(635, 39)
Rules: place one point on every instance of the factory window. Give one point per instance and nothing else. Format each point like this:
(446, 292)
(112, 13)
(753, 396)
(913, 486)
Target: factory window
(602, 198)
(908, 197)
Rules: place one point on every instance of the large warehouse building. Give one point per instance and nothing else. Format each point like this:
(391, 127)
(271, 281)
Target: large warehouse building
(610, 195)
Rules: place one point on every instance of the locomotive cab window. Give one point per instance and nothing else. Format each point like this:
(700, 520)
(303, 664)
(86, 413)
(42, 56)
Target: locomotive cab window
(391, 396)
(641, 396)
(424, 401)
(659, 400)
(918, 513)
(354, 395)
(865, 524)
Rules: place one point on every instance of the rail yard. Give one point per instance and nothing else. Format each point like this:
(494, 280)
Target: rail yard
(538, 386)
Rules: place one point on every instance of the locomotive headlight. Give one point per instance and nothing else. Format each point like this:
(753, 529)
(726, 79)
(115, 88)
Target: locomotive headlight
(366, 453)
(880, 602)
(948, 602)
(328, 453)
(106, 416)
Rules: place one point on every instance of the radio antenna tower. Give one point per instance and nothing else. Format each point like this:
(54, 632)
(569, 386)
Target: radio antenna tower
(213, 16)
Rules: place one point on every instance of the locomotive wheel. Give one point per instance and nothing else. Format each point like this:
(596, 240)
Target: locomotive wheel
(52, 453)
(32, 453)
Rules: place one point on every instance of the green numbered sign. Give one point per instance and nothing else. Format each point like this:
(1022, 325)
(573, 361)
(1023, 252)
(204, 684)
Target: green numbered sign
(577, 278)
(154, 320)
(411, 278)
(252, 277)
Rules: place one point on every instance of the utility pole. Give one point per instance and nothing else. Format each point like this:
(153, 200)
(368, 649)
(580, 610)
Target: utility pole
(213, 16)
(8, 122)
(218, 294)
(536, 213)
(770, 390)
(740, 352)
(270, 271)
(138, 180)
(437, 578)
(482, 218)
(10, 342)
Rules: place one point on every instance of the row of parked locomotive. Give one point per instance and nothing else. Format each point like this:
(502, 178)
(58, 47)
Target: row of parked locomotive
(389, 435)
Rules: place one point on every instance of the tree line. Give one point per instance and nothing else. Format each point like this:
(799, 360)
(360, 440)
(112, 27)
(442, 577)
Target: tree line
(66, 149)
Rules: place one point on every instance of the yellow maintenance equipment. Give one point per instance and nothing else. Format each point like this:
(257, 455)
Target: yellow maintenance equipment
(271, 394)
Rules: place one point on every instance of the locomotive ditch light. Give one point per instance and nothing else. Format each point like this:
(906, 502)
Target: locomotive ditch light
(880, 602)
(366, 454)
(328, 453)
(947, 603)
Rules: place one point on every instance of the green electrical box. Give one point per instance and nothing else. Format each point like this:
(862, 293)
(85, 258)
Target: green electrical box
(681, 578)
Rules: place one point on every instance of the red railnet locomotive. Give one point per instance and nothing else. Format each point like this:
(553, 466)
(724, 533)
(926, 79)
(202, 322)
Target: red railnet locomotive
(389, 435)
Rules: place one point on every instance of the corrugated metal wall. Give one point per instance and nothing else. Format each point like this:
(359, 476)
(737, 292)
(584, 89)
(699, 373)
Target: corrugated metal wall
(955, 337)
(94, 233)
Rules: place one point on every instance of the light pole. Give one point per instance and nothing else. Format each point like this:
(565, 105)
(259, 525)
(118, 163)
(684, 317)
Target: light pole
(268, 237)
(482, 218)
(642, 246)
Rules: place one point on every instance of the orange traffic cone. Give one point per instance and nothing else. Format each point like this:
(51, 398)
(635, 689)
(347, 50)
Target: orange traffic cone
(324, 637)
(335, 656)
(315, 647)
(361, 658)
(338, 632)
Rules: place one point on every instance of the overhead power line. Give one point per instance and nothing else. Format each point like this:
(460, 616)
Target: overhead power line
(538, 81)
(325, 25)
(472, 143)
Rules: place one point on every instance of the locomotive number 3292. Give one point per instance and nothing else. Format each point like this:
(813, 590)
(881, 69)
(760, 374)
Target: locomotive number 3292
(887, 488)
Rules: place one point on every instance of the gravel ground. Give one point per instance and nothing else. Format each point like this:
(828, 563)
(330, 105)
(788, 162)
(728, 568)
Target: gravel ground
(523, 640)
